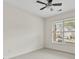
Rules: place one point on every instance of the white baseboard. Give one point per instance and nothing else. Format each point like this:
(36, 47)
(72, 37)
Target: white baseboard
(60, 51)
(21, 53)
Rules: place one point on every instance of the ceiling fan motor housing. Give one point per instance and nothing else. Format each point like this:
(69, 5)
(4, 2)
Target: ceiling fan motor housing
(49, 1)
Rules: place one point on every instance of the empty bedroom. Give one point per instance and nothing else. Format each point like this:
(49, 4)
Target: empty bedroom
(39, 29)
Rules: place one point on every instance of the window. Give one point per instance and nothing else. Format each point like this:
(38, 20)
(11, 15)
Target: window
(64, 31)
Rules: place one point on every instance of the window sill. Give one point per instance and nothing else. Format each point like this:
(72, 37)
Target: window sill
(64, 43)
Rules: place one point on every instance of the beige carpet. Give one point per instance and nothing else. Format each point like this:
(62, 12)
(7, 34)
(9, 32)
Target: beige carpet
(46, 54)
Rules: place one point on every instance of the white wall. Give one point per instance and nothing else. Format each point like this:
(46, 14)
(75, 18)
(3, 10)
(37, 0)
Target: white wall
(23, 32)
(48, 33)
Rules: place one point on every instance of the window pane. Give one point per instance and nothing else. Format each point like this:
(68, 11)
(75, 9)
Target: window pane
(69, 36)
(59, 36)
(69, 25)
(59, 26)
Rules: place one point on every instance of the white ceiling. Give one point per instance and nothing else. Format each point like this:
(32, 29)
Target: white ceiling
(33, 7)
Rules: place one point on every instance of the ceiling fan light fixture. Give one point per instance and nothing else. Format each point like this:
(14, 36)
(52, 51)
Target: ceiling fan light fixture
(51, 9)
(60, 10)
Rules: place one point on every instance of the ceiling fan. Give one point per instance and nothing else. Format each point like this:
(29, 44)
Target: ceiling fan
(48, 4)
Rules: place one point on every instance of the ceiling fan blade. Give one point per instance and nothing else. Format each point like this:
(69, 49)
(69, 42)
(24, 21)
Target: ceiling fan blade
(41, 2)
(43, 8)
(57, 4)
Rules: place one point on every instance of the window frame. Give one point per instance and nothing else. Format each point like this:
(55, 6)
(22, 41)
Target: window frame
(54, 31)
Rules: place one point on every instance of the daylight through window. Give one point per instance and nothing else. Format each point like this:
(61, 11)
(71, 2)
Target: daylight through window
(64, 31)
